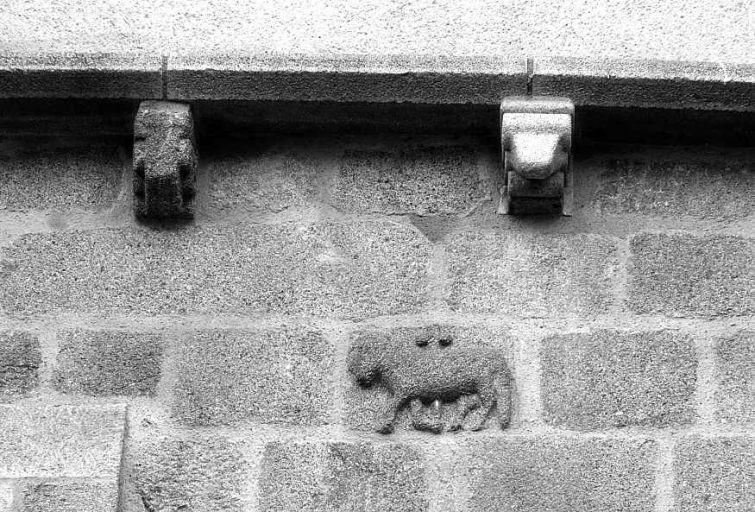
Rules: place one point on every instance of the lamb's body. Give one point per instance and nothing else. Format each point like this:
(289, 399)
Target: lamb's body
(414, 374)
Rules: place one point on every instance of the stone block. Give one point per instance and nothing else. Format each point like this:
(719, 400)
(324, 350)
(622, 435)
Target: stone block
(555, 474)
(436, 378)
(38, 177)
(690, 185)
(7, 495)
(609, 378)
(714, 473)
(260, 180)
(61, 441)
(345, 78)
(609, 82)
(735, 378)
(682, 274)
(420, 180)
(340, 475)
(80, 75)
(61, 495)
(270, 376)
(526, 276)
(20, 360)
(192, 472)
(108, 362)
(348, 270)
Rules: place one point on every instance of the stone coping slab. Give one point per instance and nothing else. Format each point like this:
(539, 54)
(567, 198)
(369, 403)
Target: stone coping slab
(379, 78)
(80, 75)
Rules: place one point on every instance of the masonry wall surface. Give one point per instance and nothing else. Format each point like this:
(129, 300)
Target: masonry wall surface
(204, 365)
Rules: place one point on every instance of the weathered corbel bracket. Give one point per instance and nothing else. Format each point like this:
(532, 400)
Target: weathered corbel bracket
(165, 160)
(536, 140)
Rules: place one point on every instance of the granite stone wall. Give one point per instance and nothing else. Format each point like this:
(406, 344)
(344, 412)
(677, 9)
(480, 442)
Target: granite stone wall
(204, 366)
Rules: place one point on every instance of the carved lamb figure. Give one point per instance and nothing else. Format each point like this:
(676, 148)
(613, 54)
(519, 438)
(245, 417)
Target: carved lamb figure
(416, 375)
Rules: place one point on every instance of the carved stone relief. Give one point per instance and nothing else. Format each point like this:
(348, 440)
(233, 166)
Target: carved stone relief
(443, 387)
(536, 143)
(165, 160)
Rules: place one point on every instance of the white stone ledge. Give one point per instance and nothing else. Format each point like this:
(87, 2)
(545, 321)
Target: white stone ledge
(422, 79)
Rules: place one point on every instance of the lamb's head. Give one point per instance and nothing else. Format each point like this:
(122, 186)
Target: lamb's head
(364, 363)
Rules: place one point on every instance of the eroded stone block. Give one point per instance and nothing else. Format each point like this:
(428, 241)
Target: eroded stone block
(442, 386)
(20, 360)
(714, 473)
(343, 475)
(608, 379)
(333, 269)
(70, 495)
(735, 374)
(108, 362)
(46, 441)
(165, 160)
(558, 473)
(263, 375)
(189, 472)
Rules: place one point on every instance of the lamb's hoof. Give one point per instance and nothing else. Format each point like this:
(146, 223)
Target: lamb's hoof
(385, 429)
(427, 426)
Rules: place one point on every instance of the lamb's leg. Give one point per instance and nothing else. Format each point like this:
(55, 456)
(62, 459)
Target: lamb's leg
(418, 415)
(389, 414)
(487, 401)
(503, 402)
(460, 409)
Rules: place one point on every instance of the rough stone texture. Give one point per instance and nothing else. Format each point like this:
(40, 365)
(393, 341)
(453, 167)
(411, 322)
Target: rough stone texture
(7, 493)
(735, 375)
(108, 363)
(686, 275)
(417, 180)
(436, 378)
(687, 30)
(716, 187)
(260, 180)
(197, 472)
(346, 78)
(80, 75)
(273, 376)
(327, 269)
(20, 360)
(37, 176)
(61, 440)
(165, 160)
(523, 275)
(614, 379)
(342, 476)
(646, 83)
(714, 473)
(88, 495)
(559, 474)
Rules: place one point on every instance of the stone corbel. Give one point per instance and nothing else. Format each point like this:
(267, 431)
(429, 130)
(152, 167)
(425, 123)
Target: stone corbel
(165, 160)
(536, 141)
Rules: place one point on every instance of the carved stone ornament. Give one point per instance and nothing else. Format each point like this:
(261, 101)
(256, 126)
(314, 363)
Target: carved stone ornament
(536, 140)
(165, 160)
(444, 387)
